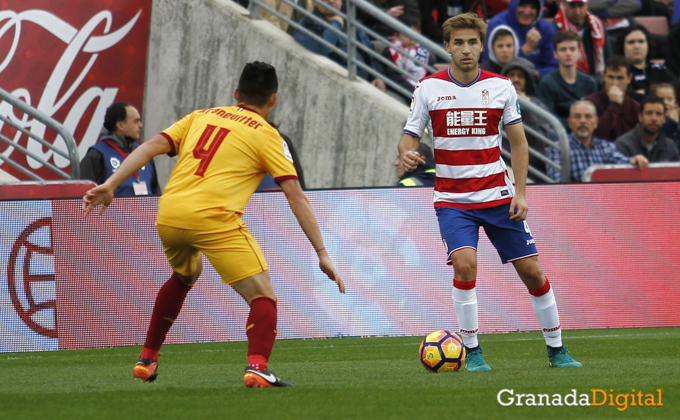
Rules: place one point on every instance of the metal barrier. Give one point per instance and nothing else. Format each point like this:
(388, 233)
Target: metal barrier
(353, 63)
(71, 154)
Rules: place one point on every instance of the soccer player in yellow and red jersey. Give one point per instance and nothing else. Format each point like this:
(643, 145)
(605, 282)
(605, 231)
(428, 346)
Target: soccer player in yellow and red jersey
(224, 153)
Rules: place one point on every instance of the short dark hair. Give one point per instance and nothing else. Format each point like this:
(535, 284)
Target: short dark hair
(258, 82)
(616, 62)
(114, 113)
(621, 39)
(425, 151)
(656, 86)
(410, 20)
(562, 36)
(502, 32)
(651, 99)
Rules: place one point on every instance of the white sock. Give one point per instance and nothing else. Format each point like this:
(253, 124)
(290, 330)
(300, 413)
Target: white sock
(545, 308)
(465, 305)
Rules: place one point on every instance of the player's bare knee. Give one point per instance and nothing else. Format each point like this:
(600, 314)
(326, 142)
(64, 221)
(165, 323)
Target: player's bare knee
(465, 270)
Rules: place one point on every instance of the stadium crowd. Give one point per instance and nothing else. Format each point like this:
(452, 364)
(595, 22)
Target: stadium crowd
(595, 50)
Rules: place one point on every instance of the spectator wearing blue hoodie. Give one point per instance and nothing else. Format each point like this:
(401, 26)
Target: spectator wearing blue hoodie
(534, 34)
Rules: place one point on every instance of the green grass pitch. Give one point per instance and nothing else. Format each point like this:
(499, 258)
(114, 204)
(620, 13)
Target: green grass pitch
(348, 378)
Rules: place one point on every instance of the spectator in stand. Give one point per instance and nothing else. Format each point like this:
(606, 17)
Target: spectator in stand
(551, 8)
(504, 47)
(535, 35)
(423, 175)
(616, 110)
(434, 13)
(647, 138)
(285, 10)
(573, 15)
(522, 74)
(671, 127)
(672, 42)
(635, 43)
(562, 87)
(420, 54)
(586, 150)
(333, 38)
(614, 14)
(119, 137)
(394, 8)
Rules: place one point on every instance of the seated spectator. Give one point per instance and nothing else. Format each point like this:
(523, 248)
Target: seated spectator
(394, 8)
(504, 47)
(586, 150)
(562, 87)
(647, 138)
(616, 110)
(285, 10)
(614, 14)
(434, 13)
(418, 52)
(535, 35)
(522, 74)
(573, 16)
(672, 57)
(423, 175)
(671, 127)
(334, 39)
(635, 44)
(550, 9)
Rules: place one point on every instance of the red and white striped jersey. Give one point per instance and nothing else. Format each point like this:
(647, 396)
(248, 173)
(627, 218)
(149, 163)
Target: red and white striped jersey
(464, 122)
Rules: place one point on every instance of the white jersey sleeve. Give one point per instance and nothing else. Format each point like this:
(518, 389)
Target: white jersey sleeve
(419, 115)
(511, 112)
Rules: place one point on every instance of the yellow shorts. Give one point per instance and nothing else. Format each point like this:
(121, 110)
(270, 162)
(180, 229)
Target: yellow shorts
(233, 253)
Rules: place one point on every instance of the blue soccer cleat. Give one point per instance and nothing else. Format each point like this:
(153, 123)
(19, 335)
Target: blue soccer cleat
(474, 361)
(559, 358)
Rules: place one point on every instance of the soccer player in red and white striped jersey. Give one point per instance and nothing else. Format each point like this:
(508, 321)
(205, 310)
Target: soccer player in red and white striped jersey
(464, 109)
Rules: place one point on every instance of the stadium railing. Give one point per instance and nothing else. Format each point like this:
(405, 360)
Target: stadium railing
(72, 149)
(353, 63)
(666, 171)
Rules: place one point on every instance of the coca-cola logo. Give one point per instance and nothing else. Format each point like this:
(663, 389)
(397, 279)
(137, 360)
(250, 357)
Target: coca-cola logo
(70, 60)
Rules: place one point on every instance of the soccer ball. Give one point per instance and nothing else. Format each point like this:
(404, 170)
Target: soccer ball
(442, 351)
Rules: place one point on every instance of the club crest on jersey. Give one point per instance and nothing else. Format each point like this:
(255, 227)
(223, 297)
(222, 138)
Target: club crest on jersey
(485, 97)
(115, 163)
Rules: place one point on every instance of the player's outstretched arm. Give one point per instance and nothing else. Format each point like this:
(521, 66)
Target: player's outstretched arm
(305, 215)
(103, 194)
(519, 158)
(410, 158)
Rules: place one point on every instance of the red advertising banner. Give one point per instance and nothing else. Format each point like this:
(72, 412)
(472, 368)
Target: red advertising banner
(70, 60)
(610, 255)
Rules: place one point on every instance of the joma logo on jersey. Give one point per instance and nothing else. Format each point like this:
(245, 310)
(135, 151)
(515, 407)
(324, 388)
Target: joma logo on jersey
(446, 98)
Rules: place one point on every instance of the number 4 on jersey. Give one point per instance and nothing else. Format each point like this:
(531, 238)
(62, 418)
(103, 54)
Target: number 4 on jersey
(204, 151)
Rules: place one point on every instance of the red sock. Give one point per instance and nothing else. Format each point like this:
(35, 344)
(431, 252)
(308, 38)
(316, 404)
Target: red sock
(261, 331)
(168, 304)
